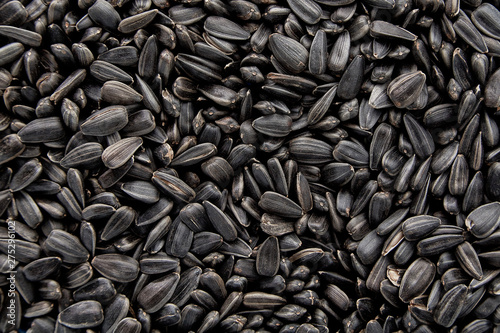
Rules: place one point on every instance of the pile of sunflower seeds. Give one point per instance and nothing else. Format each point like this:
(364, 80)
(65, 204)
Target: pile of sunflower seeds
(249, 166)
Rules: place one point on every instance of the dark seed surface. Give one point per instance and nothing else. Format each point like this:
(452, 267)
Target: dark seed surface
(249, 166)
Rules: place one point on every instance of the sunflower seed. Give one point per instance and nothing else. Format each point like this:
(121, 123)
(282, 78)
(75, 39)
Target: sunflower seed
(116, 267)
(136, 22)
(158, 292)
(416, 279)
(88, 156)
(84, 314)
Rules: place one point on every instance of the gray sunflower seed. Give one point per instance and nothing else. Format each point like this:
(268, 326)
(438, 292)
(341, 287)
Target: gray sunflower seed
(459, 176)
(105, 71)
(87, 155)
(310, 151)
(405, 89)
(28, 251)
(116, 267)
(233, 322)
(338, 297)
(461, 72)
(290, 53)
(304, 196)
(129, 325)
(339, 54)
(186, 15)
(298, 83)
(382, 140)
(318, 54)
(173, 186)
(39, 309)
(158, 263)
(416, 279)
(223, 28)
(352, 153)
(136, 22)
(68, 200)
(379, 98)
(24, 36)
(41, 130)
(29, 210)
(105, 121)
(420, 137)
(189, 280)
(115, 92)
(88, 236)
(308, 11)
(468, 32)
(54, 209)
(273, 125)
(482, 221)
(490, 131)
(485, 18)
(219, 170)
(209, 322)
(160, 229)
(440, 115)
(11, 52)
(199, 68)
(444, 158)
(438, 244)
(13, 13)
(473, 193)
(179, 240)
(267, 263)
(121, 219)
(67, 246)
(291, 312)
(274, 225)
(450, 305)
(75, 183)
(100, 288)
(195, 154)
(205, 242)
(119, 153)
(193, 215)
(11, 146)
(84, 314)
(351, 80)
(240, 155)
(78, 276)
(490, 258)
(418, 227)
(41, 268)
(320, 108)
(382, 29)
(104, 14)
(70, 113)
(238, 248)
(260, 300)
(121, 56)
(140, 123)
(74, 80)
(370, 247)
(204, 299)
(468, 260)
(278, 204)
(220, 221)
(158, 292)
(169, 315)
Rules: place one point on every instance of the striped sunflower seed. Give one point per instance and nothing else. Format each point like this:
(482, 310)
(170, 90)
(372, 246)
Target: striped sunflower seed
(84, 314)
(116, 267)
